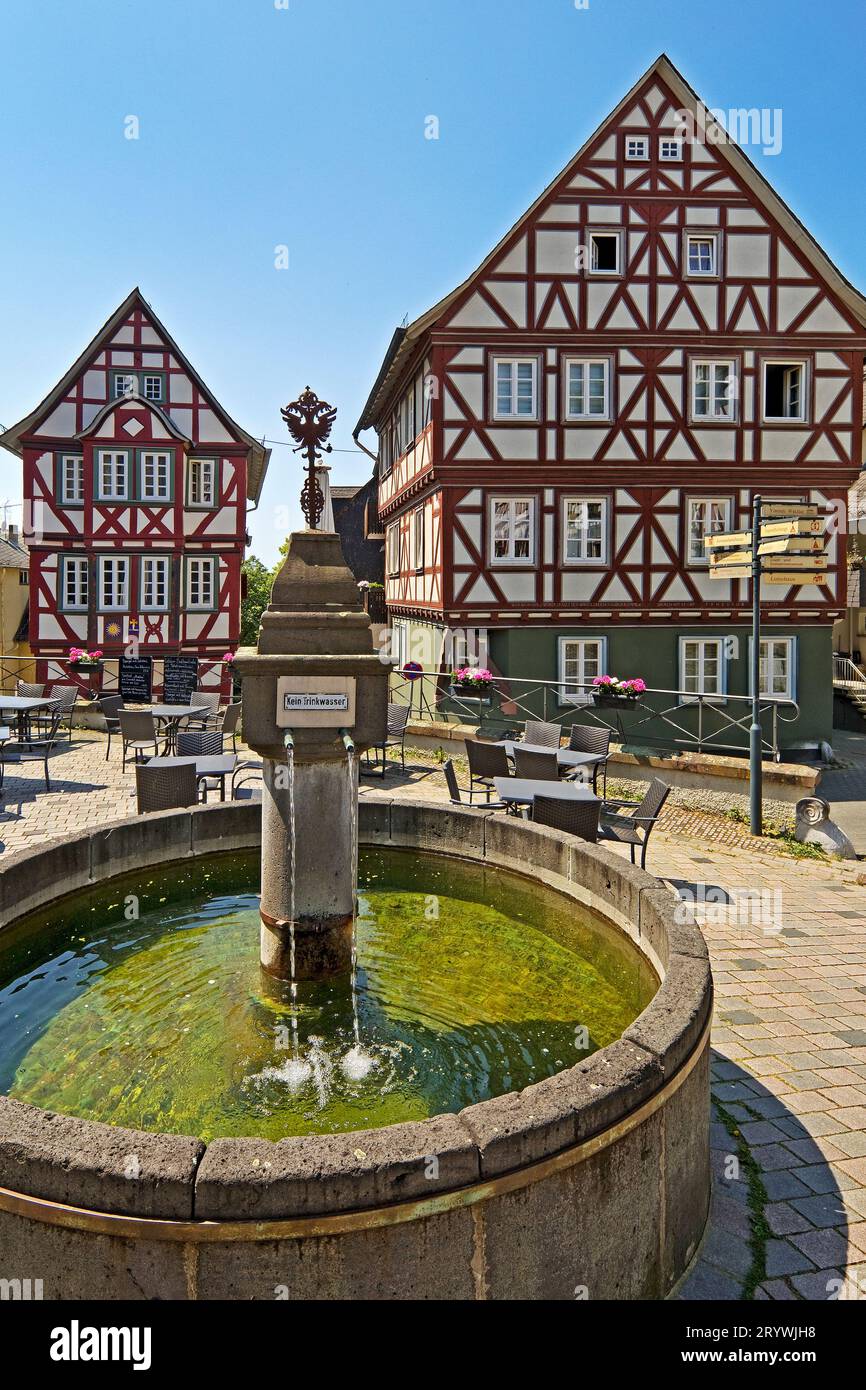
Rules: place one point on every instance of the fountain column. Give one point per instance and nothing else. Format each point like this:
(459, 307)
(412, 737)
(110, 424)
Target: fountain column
(315, 683)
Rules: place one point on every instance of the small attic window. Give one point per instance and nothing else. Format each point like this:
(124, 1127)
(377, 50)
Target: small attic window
(637, 147)
(125, 384)
(604, 253)
(670, 151)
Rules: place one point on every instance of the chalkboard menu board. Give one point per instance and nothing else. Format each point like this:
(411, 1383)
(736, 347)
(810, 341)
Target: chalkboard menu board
(180, 679)
(136, 679)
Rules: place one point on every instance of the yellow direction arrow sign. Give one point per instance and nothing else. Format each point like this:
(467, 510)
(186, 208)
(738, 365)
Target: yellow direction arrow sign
(744, 557)
(789, 509)
(795, 579)
(793, 562)
(814, 526)
(793, 545)
(730, 572)
(727, 538)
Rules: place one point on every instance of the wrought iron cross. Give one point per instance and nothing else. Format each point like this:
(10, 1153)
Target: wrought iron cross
(309, 421)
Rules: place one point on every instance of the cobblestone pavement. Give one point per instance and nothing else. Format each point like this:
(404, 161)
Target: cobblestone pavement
(789, 1036)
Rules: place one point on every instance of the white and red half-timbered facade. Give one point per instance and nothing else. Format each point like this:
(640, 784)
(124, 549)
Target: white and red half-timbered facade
(136, 486)
(655, 341)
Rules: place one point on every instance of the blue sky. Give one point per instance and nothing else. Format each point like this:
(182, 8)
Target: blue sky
(303, 124)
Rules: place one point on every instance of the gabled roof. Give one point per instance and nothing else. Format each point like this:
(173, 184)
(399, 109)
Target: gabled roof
(13, 555)
(259, 455)
(405, 340)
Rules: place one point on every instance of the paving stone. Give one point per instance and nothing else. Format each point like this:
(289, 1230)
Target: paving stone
(783, 1220)
(782, 1186)
(824, 1210)
(784, 1258)
(818, 1286)
(707, 1283)
(824, 1248)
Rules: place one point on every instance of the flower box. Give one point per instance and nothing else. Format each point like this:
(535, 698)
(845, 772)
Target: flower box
(84, 665)
(608, 698)
(470, 694)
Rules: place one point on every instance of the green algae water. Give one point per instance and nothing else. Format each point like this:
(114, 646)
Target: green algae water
(144, 1005)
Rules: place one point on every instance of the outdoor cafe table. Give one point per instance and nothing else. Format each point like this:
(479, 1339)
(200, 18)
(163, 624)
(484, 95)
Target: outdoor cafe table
(23, 706)
(171, 715)
(522, 791)
(218, 765)
(566, 758)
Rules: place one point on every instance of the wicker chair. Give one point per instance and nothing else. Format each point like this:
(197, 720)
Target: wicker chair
(538, 767)
(537, 731)
(165, 788)
(634, 829)
(455, 795)
(110, 707)
(199, 743)
(67, 698)
(576, 817)
(138, 732)
(486, 761)
(585, 739)
(36, 747)
(210, 720)
(231, 717)
(395, 737)
(28, 691)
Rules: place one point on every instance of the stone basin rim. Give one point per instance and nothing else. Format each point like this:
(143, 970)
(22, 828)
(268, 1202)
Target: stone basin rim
(80, 1164)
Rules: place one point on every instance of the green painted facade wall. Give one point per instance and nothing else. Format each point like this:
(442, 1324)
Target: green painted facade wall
(532, 654)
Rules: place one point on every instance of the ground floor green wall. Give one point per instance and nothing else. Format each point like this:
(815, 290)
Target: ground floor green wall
(531, 654)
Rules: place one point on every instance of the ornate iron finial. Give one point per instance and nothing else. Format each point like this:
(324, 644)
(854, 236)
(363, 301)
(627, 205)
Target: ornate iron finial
(309, 421)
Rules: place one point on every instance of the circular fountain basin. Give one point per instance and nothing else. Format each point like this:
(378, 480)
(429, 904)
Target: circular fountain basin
(509, 1098)
(143, 1004)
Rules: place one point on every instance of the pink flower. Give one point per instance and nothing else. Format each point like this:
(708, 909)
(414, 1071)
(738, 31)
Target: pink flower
(228, 658)
(603, 680)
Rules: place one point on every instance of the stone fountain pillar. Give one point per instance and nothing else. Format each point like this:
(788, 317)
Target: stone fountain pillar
(314, 677)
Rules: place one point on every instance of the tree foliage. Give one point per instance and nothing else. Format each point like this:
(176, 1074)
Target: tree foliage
(259, 580)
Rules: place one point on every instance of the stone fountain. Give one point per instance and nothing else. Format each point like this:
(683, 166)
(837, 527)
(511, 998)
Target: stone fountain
(314, 697)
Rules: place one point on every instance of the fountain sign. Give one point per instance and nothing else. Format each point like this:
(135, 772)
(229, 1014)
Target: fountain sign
(315, 701)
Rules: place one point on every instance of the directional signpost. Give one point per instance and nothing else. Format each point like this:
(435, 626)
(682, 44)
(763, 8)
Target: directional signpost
(786, 545)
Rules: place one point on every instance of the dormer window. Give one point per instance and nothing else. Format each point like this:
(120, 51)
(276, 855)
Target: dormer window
(637, 147)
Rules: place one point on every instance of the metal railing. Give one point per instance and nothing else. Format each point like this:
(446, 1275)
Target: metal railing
(847, 672)
(663, 720)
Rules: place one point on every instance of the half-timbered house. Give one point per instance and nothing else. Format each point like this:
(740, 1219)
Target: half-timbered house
(136, 486)
(657, 339)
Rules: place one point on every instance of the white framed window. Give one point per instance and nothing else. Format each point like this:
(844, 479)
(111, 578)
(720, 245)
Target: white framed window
(113, 583)
(125, 384)
(581, 659)
(201, 581)
(702, 254)
(670, 150)
(202, 482)
(418, 538)
(605, 253)
(705, 517)
(515, 385)
(512, 530)
(409, 418)
(778, 668)
(71, 479)
(399, 642)
(75, 585)
(785, 390)
(392, 548)
(714, 390)
(112, 475)
(587, 388)
(152, 387)
(584, 530)
(153, 583)
(702, 667)
(155, 478)
(637, 147)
